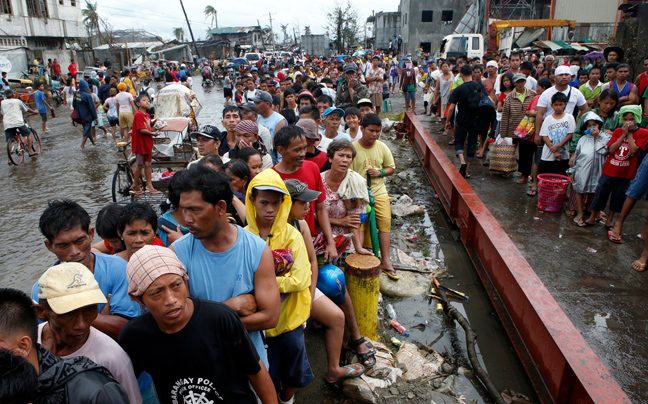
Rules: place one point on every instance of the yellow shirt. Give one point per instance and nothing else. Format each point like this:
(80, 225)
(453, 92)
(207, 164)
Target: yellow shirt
(378, 157)
(130, 84)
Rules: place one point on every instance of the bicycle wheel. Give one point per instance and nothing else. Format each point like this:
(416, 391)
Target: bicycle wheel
(121, 185)
(15, 151)
(36, 143)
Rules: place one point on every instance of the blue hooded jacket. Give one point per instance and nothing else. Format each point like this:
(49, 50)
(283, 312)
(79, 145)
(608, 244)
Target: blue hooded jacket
(84, 104)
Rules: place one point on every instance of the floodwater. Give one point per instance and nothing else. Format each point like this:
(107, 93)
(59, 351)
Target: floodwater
(63, 171)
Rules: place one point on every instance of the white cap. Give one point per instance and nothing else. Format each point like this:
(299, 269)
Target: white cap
(562, 70)
(69, 286)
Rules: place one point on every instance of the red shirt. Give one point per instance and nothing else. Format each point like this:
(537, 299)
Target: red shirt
(623, 164)
(141, 144)
(56, 69)
(72, 69)
(319, 158)
(309, 174)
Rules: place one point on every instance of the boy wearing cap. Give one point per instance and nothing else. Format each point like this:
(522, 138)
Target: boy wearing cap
(208, 140)
(69, 295)
(194, 349)
(60, 381)
(374, 159)
(332, 120)
(365, 106)
(268, 206)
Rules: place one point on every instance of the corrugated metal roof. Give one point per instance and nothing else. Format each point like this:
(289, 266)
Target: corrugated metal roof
(232, 30)
(528, 37)
(548, 44)
(564, 45)
(579, 47)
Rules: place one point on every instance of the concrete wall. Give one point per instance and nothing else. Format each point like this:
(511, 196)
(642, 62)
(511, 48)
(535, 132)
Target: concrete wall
(386, 26)
(587, 10)
(317, 45)
(17, 59)
(415, 32)
(64, 21)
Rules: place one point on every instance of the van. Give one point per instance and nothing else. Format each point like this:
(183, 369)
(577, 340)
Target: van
(467, 45)
(253, 57)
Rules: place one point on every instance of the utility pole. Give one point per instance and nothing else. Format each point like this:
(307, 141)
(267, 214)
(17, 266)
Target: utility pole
(271, 30)
(190, 31)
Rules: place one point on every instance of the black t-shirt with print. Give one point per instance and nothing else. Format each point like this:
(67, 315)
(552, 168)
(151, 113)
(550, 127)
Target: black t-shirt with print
(459, 97)
(207, 361)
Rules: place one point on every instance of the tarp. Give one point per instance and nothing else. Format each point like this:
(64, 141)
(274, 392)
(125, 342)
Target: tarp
(564, 45)
(176, 100)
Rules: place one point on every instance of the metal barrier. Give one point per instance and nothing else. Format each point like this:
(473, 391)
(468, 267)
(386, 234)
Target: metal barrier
(559, 362)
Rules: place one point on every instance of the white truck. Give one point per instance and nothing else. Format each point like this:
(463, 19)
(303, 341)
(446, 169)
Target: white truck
(467, 45)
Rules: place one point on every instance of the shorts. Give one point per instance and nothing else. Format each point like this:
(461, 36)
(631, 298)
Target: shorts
(410, 96)
(393, 79)
(288, 361)
(376, 100)
(538, 155)
(639, 186)
(382, 209)
(87, 129)
(113, 122)
(43, 116)
(11, 132)
(227, 92)
(125, 120)
(140, 159)
(318, 294)
(444, 110)
(612, 188)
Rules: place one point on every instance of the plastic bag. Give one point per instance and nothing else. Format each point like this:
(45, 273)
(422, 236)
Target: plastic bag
(112, 114)
(526, 128)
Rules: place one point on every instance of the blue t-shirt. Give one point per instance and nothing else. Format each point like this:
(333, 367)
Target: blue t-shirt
(110, 273)
(39, 98)
(163, 234)
(221, 276)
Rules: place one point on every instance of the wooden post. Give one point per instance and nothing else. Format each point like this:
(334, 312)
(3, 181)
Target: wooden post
(363, 286)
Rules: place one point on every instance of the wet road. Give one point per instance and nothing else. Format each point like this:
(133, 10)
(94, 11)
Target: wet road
(61, 171)
(600, 293)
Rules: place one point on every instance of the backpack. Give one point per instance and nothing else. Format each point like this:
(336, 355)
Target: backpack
(480, 104)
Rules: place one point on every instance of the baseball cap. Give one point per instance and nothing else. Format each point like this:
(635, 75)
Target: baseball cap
(69, 286)
(250, 107)
(350, 67)
(309, 127)
(270, 188)
(331, 110)
(306, 93)
(299, 191)
(149, 263)
(365, 101)
(262, 96)
(518, 76)
(562, 70)
(491, 63)
(375, 57)
(209, 131)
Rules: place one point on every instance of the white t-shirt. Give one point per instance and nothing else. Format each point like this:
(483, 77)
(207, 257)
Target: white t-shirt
(12, 111)
(576, 99)
(104, 351)
(123, 100)
(557, 130)
(531, 83)
(325, 142)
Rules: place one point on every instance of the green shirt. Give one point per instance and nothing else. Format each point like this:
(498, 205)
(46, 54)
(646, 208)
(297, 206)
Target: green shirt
(590, 94)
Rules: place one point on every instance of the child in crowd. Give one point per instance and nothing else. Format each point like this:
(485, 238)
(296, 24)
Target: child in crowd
(268, 206)
(106, 227)
(42, 106)
(589, 159)
(142, 144)
(620, 167)
(352, 121)
(556, 132)
(171, 224)
(110, 101)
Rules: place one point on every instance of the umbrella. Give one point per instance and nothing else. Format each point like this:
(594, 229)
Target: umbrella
(239, 61)
(371, 217)
(593, 55)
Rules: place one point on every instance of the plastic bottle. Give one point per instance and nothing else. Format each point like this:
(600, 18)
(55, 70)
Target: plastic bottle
(390, 311)
(399, 327)
(395, 341)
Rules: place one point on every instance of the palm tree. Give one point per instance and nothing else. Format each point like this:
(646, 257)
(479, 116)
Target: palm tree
(179, 34)
(284, 28)
(91, 19)
(211, 12)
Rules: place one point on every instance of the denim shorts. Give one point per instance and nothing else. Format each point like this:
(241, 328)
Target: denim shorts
(288, 361)
(639, 186)
(410, 96)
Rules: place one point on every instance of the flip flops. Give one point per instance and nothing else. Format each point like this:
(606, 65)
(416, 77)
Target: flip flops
(345, 377)
(613, 238)
(581, 223)
(639, 266)
(391, 273)
(532, 192)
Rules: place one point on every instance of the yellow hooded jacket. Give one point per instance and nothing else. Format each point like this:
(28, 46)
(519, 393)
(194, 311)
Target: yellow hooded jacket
(295, 309)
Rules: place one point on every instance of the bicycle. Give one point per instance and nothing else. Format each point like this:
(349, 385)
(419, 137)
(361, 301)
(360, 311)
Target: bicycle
(123, 177)
(16, 146)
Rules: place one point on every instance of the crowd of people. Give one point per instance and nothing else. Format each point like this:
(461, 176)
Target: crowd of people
(251, 244)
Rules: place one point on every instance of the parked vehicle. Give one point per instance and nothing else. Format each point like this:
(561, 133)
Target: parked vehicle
(456, 45)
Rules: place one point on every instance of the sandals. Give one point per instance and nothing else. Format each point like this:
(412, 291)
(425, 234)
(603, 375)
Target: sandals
(639, 266)
(581, 223)
(613, 238)
(345, 377)
(532, 192)
(367, 359)
(570, 212)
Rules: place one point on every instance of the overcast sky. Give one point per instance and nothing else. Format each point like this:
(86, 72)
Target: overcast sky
(162, 16)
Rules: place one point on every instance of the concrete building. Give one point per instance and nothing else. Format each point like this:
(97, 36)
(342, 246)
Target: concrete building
(239, 38)
(425, 23)
(316, 45)
(386, 26)
(39, 28)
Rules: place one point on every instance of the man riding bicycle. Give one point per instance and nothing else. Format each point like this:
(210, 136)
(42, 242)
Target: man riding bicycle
(12, 109)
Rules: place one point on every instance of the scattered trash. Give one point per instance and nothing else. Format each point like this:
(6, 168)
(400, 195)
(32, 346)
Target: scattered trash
(390, 311)
(435, 196)
(513, 397)
(404, 206)
(394, 323)
(395, 341)
(412, 237)
(536, 218)
(417, 362)
(590, 249)
(382, 375)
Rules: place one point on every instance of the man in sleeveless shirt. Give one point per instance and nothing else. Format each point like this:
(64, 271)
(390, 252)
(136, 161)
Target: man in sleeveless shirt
(628, 94)
(225, 263)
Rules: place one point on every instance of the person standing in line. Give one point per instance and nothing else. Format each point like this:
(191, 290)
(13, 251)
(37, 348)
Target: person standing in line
(126, 106)
(374, 77)
(408, 85)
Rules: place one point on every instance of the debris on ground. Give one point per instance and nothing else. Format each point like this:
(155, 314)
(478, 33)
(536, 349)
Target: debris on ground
(382, 375)
(418, 363)
(404, 206)
(590, 249)
(513, 397)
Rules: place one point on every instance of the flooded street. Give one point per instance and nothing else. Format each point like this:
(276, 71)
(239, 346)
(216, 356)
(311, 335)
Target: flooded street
(61, 171)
